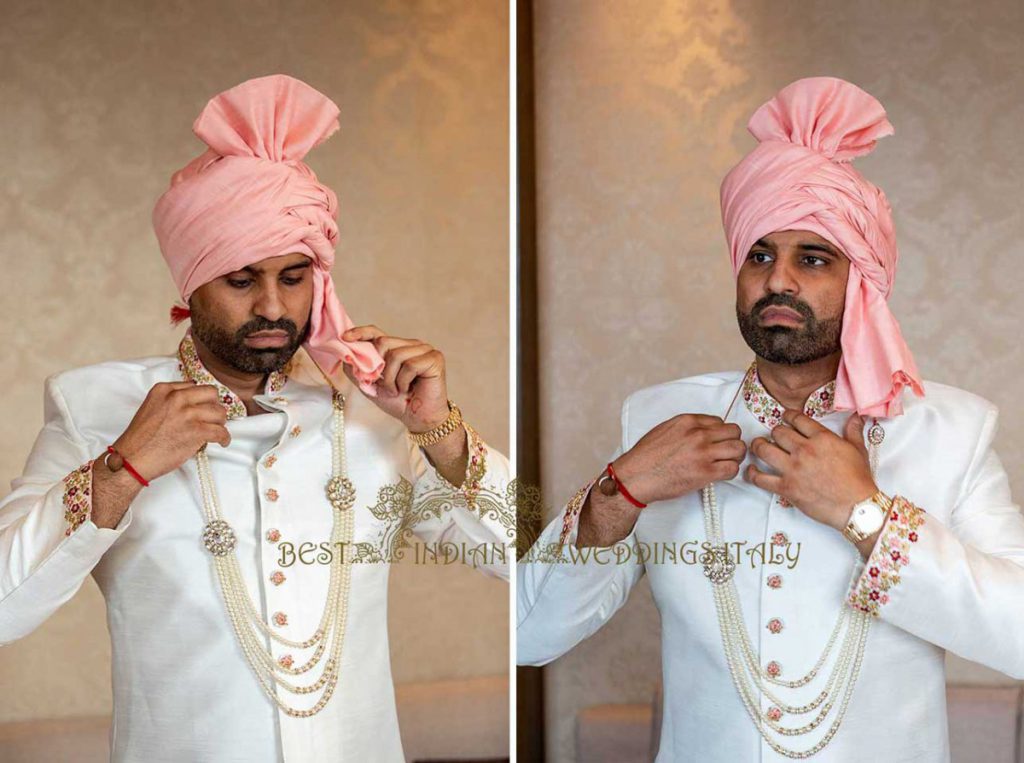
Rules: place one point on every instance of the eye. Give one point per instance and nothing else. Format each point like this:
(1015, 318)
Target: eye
(291, 280)
(239, 283)
(759, 257)
(815, 262)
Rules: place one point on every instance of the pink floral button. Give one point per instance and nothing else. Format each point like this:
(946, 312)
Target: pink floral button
(272, 495)
(773, 713)
(285, 661)
(280, 619)
(780, 538)
(295, 431)
(277, 577)
(273, 535)
(774, 581)
(784, 502)
(773, 669)
(774, 625)
(269, 461)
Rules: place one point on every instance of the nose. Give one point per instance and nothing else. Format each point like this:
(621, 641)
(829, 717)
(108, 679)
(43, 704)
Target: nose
(268, 303)
(782, 278)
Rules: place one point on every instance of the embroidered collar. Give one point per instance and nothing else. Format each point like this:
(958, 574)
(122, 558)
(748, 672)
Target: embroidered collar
(193, 370)
(768, 410)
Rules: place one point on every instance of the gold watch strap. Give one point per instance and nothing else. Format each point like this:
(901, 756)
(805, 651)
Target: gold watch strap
(442, 430)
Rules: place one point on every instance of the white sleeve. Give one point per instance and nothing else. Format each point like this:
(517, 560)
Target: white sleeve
(475, 521)
(565, 594)
(958, 585)
(48, 541)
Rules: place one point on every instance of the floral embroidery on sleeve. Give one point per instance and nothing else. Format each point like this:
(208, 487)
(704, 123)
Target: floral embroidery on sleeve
(476, 468)
(891, 554)
(572, 511)
(78, 497)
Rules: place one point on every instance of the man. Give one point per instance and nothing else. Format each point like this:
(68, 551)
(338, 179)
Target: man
(809, 582)
(193, 487)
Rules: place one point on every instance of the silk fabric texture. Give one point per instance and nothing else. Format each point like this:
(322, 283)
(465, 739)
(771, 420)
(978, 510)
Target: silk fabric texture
(799, 177)
(250, 196)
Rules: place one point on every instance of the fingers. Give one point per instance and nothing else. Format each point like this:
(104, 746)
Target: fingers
(770, 453)
(397, 358)
(194, 394)
(803, 423)
(853, 432)
(770, 482)
(728, 450)
(366, 333)
(722, 432)
(428, 364)
(787, 438)
(215, 433)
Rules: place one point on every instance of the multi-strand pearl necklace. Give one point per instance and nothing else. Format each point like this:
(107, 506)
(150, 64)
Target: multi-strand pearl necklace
(747, 674)
(250, 628)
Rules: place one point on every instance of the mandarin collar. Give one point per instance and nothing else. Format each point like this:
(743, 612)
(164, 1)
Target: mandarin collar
(768, 410)
(193, 370)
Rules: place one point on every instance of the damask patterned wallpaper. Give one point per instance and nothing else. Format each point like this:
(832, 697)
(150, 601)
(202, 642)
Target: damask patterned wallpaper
(642, 107)
(98, 102)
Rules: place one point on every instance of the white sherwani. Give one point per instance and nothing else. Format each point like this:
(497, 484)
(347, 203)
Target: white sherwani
(183, 690)
(946, 576)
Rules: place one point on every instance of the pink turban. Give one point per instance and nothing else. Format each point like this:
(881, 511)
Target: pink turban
(799, 177)
(249, 196)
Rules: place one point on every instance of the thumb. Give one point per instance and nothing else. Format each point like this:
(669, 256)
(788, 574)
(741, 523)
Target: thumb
(853, 431)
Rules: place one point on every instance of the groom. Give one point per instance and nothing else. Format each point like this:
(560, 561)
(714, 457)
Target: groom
(829, 440)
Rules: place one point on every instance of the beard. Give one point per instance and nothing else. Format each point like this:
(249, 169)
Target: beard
(230, 347)
(790, 345)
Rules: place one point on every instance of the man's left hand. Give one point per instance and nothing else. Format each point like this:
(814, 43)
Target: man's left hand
(412, 387)
(819, 472)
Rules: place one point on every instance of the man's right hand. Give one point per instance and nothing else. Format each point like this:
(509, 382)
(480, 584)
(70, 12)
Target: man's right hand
(174, 421)
(679, 455)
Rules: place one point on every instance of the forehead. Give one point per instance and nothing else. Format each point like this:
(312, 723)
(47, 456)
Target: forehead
(787, 239)
(276, 264)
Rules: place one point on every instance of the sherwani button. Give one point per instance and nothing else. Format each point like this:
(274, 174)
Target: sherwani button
(273, 535)
(280, 619)
(277, 577)
(774, 625)
(780, 538)
(269, 461)
(272, 495)
(773, 669)
(774, 581)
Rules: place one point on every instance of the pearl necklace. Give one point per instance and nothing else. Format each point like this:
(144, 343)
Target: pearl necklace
(739, 652)
(250, 628)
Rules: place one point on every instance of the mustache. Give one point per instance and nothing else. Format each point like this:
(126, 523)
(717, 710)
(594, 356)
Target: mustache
(782, 300)
(264, 324)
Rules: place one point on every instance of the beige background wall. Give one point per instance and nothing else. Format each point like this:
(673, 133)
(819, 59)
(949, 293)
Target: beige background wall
(642, 107)
(98, 102)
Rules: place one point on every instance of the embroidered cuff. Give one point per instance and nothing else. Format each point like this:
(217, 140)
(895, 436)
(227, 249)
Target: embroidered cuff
(890, 555)
(78, 497)
(571, 517)
(476, 468)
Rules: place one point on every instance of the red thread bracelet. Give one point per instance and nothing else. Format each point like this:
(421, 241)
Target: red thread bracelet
(128, 467)
(622, 488)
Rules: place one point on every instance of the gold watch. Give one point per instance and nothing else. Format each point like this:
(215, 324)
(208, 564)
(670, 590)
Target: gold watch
(867, 517)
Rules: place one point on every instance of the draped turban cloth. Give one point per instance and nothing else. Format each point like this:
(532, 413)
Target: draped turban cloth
(799, 177)
(250, 196)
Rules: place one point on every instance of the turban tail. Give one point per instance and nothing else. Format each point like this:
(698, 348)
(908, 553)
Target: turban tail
(250, 196)
(799, 177)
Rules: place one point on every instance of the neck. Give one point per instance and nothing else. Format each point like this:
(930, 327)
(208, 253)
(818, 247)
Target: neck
(792, 385)
(246, 386)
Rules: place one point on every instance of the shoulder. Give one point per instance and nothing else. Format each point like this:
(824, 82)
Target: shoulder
(100, 389)
(944, 403)
(697, 391)
(708, 393)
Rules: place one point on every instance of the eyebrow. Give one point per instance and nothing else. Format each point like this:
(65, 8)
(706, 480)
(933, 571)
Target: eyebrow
(813, 247)
(256, 271)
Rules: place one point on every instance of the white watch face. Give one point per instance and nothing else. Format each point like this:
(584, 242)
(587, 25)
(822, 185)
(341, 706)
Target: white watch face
(867, 517)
